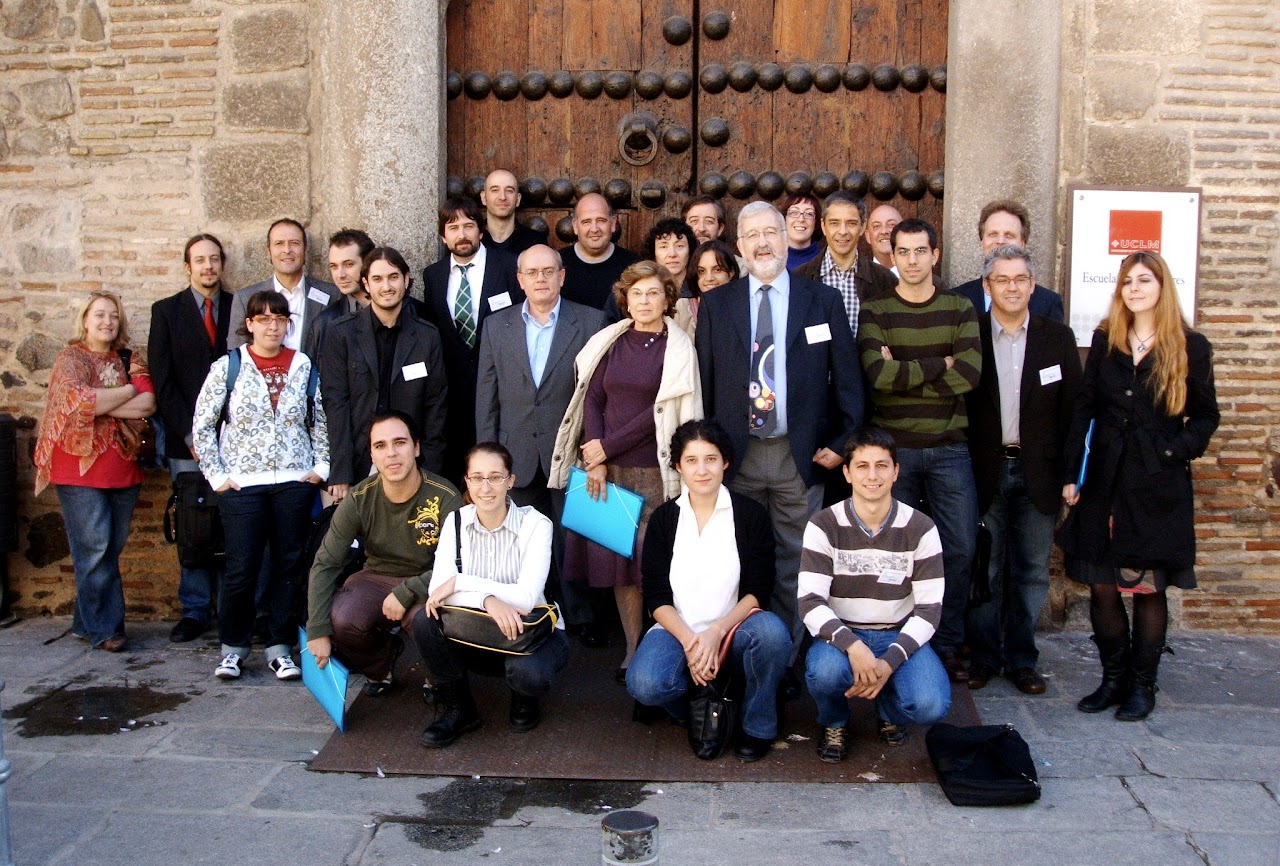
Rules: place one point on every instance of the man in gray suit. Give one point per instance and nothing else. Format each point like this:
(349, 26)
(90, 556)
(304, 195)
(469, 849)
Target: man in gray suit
(287, 248)
(524, 385)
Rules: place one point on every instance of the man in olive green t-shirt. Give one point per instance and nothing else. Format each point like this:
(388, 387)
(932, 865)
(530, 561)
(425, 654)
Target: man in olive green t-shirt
(396, 514)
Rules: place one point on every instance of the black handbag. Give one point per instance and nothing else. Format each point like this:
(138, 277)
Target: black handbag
(478, 629)
(713, 718)
(980, 575)
(983, 765)
(192, 521)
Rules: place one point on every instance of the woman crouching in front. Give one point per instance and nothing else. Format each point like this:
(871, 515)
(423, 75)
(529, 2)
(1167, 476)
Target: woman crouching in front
(493, 556)
(708, 568)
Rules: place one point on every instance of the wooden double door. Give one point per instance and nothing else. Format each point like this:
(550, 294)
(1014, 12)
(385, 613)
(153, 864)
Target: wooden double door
(652, 102)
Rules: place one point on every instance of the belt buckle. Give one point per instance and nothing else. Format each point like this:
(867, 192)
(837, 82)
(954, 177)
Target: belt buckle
(1011, 452)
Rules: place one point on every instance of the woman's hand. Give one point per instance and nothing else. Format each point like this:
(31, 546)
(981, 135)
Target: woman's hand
(392, 609)
(311, 478)
(702, 654)
(596, 483)
(506, 616)
(438, 597)
(1069, 494)
(593, 454)
(227, 485)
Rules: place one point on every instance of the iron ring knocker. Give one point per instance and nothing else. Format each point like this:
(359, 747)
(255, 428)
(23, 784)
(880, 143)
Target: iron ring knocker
(638, 138)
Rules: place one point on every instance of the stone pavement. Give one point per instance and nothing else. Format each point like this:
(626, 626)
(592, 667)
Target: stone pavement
(183, 769)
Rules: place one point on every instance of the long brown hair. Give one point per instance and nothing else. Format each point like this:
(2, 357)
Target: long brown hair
(1169, 365)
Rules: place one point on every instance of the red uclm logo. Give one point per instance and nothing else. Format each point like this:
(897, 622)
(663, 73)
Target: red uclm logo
(1134, 231)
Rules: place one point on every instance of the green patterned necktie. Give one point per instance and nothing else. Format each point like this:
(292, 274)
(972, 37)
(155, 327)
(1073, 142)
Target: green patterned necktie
(462, 310)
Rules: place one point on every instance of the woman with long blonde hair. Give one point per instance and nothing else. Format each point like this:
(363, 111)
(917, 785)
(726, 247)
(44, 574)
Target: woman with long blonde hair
(1148, 390)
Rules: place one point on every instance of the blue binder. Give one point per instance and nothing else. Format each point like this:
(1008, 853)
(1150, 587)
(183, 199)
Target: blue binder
(1084, 460)
(610, 522)
(329, 686)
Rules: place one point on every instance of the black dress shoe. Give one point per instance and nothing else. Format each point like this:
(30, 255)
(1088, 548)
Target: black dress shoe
(187, 629)
(525, 713)
(1027, 681)
(591, 635)
(751, 748)
(458, 715)
(956, 671)
(980, 674)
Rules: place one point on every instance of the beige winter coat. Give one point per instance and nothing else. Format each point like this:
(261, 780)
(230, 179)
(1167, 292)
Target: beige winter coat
(679, 400)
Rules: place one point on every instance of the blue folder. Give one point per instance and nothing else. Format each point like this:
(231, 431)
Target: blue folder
(610, 522)
(1084, 460)
(328, 685)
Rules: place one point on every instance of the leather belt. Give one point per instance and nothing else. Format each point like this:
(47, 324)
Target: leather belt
(1010, 452)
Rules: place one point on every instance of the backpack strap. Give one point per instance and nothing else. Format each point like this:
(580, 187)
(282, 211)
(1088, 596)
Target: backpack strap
(457, 531)
(313, 384)
(233, 373)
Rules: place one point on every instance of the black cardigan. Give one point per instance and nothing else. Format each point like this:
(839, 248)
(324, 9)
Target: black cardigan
(752, 530)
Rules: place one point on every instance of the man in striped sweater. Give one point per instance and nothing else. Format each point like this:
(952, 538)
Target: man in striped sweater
(921, 352)
(870, 590)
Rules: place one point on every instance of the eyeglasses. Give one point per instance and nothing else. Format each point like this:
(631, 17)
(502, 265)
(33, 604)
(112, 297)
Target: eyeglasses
(918, 252)
(1021, 281)
(802, 214)
(494, 480)
(545, 273)
(264, 321)
(768, 234)
(645, 294)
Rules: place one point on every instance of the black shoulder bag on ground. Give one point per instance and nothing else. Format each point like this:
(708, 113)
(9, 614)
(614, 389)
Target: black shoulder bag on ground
(714, 708)
(191, 521)
(983, 765)
(479, 630)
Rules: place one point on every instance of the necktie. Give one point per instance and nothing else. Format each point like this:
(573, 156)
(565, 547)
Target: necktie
(462, 310)
(763, 418)
(210, 328)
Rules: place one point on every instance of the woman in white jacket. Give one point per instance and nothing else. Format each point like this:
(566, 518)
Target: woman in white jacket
(637, 382)
(264, 448)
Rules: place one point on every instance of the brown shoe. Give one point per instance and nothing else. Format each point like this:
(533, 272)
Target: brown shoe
(980, 675)
(1028, 681)
(956, 671)
(112, 644)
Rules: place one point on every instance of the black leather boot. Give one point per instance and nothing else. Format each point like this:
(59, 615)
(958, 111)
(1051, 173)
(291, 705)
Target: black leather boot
(525, 713)
(457, 714)
(1115, 676)
(1142, 697)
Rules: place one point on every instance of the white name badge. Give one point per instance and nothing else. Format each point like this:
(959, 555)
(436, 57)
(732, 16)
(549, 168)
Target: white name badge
(499, 302)
(415, 371)
(314, 294)
(894, 576)
(818, 333)
(1049, 375)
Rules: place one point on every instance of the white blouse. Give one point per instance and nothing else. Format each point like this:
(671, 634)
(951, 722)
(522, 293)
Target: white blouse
(705, 569)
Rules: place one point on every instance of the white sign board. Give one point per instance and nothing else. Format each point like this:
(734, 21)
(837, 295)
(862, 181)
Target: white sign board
(1109, 224)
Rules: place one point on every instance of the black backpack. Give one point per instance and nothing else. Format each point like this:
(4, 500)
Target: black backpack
(982, 765)
(191, 521)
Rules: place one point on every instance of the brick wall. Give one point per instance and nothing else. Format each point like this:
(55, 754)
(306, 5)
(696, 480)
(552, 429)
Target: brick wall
(1184, 92)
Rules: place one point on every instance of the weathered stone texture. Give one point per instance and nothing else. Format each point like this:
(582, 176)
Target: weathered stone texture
(37, 352)
(30, 19)
(273, 105)
(46, 99)
(1150, 156)
(248, 181)
(269, 40)
(1122, 89)
(1148, 27)
(91, 29)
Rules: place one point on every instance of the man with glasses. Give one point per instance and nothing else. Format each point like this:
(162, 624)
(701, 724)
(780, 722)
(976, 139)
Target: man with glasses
(1000, 223)
(1019, 415)
(460, 292)
(525, 383)
(382, 358)
(396, 514)
(921, 353)
(779, 373)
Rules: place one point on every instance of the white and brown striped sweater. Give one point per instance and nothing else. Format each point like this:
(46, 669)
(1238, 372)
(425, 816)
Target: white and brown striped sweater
(851, 580)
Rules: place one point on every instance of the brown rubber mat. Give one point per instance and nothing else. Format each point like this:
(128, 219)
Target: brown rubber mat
(587, 733)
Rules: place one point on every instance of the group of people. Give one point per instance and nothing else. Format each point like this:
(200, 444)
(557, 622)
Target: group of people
(739, 391)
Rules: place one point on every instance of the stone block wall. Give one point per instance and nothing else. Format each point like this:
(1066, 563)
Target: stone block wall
(1187, 92)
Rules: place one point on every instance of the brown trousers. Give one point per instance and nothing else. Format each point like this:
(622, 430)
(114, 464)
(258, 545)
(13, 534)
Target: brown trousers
(361, 634)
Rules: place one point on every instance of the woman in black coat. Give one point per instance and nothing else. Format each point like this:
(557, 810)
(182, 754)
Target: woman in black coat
(1148, 389)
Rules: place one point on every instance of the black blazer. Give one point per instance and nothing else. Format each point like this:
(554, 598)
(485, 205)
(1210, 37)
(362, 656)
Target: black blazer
(1044, 417)
(873, 280)
(753, 536)
(349, 384)
(1044, 302)
(179, 354)
(461, 362)
(723, 341)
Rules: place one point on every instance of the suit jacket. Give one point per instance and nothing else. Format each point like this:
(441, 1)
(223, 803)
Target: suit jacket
(313, 309)
(509, 409)
(872, 279)
(723, 341)
(1044, 302)
(179, 354)
(349, 382)
(1044, 417)
(460, 360)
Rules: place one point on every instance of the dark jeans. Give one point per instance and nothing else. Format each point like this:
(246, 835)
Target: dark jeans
(918, 692)
(531, 675)
(277, 516)
(1002, 632)
(97, 521)
(943, 476)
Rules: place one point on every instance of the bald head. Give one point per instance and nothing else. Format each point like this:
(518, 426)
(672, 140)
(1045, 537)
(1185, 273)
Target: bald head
(501, 194)
(880, 223)
(594, 223)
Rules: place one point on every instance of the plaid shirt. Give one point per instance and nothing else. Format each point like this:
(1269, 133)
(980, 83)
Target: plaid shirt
(843, 282)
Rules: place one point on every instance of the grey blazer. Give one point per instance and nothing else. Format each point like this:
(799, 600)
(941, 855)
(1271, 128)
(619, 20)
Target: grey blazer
(509, 409)
(240, 303)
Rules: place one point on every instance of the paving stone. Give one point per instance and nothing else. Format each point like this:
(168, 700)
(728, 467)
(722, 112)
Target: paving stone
(147, 783)
(426, 845)
(678, 806)
(817, 807)
(1239, 849)
(1065, 804)
(852, 844)
(40, 832)
(1210, 761)
(297, 789)
(1242, 727)
(1057, 848)
(257, 743)
(1082, 759)
(1197, 804)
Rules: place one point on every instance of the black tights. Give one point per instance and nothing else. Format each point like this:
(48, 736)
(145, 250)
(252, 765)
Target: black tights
(1111, 622)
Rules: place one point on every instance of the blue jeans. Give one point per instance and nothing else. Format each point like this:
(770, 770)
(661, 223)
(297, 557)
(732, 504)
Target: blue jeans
(659, 675)
(97, 521)
(918, 692)
(266, 516)
(197, 586)
(1022, 537)
(942, 479)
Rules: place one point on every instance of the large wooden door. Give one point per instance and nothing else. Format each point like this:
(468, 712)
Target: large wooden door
(653, 102)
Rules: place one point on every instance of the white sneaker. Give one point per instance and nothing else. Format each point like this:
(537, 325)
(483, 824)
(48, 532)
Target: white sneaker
(285, 668)
(229, 668)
